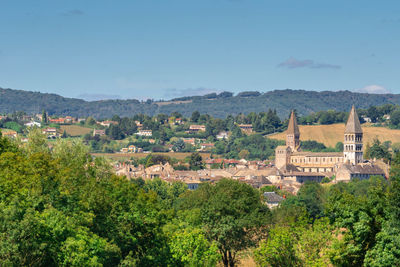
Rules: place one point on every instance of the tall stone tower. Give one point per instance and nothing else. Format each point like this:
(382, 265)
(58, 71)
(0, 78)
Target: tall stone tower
(353, 139)
(293, 133)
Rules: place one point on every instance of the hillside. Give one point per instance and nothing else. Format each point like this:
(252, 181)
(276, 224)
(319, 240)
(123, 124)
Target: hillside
(331, 134)
(216, 105)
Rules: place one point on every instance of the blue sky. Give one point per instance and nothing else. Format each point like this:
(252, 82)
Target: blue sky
(170, 48)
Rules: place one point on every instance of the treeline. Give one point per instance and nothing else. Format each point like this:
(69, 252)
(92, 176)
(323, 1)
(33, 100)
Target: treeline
(217, 105)
(61, 207)
(375, 114)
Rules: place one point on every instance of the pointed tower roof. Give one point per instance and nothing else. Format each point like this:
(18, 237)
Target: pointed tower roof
(292, 126)
(353, 123)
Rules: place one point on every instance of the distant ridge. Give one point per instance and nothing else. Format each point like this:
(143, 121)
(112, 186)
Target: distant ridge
(218, 105)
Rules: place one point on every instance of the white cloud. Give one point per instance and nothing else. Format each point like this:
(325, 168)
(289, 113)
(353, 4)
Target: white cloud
(373, 89)
(293, 63)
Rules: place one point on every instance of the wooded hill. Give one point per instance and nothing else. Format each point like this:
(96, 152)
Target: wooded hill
(217, 105)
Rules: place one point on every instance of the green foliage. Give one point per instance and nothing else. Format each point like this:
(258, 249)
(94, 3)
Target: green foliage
(13, 126)
(44, 116)
(64, 208)
(359, 208)
(278, 250)
(192, 248)
(232, 215)
(296, 245)
(221, 105)
(258, 147)
(196, 162)
(6, 145)
(312, 196)
(311, 145)
(195, 116)
(178, 145)
(378, 151)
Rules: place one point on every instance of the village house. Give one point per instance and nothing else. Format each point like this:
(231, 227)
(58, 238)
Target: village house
(39, 116)
(26, 118)
(107, 123)
(99, 132)
(222, 135)
(145, 133)
(178, 121)
(194, 128)
(51, 132)
(139, 125)
(57, 120)
(366, 119)
(272, 199)
(217, 173)
(271, 175)
(362, 171)
(246, 128)
(10, 133)
(69, 119)
(191, 141)
(206, 146)
(33, 124)
(192, 184)
(225, 163)
(159, 171)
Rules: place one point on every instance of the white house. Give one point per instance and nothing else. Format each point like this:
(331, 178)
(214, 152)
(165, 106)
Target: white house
(222, 135)
(33, 124)
(145, 133)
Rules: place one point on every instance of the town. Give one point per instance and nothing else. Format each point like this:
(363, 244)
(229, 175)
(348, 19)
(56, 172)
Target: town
(204, 149)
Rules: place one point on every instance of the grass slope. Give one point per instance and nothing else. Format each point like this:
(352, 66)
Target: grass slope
(331, 134)
(75, 130)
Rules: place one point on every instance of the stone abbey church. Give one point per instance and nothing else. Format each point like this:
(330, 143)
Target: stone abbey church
(344, 165)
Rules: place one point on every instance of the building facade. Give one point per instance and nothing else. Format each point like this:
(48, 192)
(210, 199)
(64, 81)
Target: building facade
(349, 161)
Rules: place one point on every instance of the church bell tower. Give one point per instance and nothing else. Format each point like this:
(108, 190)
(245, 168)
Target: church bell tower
(353, 139)
(293, 133)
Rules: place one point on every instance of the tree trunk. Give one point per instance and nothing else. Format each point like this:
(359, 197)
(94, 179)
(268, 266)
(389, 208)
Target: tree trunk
(225, 259)
(231, 259)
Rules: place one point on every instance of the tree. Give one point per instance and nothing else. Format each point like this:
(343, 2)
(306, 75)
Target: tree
(192, 248)
(196, 161)
(395, 117)
(178, 145)
(339, 146)
(379, 151)
(232, 215)
(44, 116)
(176, 114)
(6, 145)
(195, 116)
(373, 113)
(90, 121)
(115, 132)
(243, 153)
(312, 196)
(278, 250)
